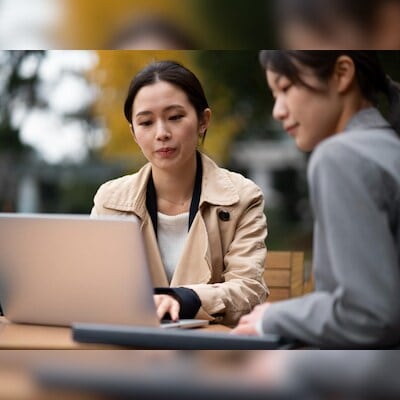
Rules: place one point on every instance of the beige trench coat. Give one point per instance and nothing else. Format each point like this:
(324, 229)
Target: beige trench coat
(222, 261)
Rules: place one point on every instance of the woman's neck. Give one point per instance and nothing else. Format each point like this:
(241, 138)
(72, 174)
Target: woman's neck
(174, 188)
(352, 108)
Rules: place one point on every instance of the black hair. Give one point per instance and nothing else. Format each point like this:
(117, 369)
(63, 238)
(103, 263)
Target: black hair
(370, 75)
(173, 73)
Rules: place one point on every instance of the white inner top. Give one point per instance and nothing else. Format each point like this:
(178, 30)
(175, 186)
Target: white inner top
(172, 231)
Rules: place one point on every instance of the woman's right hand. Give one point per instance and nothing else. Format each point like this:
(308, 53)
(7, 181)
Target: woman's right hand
(248, 323)
(167, 304)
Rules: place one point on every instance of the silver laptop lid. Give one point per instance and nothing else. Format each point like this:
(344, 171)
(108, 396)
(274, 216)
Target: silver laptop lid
(59, 269)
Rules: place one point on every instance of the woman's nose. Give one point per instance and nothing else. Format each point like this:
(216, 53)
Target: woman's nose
(280, 110)
(162, 132)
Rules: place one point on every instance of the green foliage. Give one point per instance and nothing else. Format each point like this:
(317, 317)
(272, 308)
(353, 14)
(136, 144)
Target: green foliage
(9, 136)
(228, 24)
(241, 72)
(18, 90)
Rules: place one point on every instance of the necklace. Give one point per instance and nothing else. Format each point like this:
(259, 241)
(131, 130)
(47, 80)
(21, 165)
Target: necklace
(180, 203)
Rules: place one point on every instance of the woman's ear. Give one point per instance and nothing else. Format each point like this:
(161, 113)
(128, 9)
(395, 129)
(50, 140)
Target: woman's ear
(205, 121)
(345, 73)
(133, 132)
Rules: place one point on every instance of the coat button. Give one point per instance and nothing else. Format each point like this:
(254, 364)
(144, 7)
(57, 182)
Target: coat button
(224, 215)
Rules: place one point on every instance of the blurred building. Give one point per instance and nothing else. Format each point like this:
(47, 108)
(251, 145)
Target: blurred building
(61, 188)
(261, 158)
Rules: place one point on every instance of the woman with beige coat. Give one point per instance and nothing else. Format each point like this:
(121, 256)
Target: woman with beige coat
(204, 227)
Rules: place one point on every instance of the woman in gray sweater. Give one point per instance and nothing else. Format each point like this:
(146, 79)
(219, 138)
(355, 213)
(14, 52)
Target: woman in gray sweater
(326, 100)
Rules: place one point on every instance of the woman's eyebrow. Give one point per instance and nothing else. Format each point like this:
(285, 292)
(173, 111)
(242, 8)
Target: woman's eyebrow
(168, 108)
(140, 113)
(173, 106)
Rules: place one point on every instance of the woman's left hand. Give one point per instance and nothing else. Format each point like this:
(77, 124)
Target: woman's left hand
(167, 304)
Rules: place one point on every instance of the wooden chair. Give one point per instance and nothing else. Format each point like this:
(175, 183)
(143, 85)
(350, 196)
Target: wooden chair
(284, 275)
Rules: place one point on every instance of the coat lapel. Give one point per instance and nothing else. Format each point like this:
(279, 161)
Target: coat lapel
(217, 188)
(131, 199)
(131, 196)
(194, 265)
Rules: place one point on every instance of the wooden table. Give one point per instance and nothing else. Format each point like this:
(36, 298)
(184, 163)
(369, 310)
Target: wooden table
(39, 337)
(23, 345)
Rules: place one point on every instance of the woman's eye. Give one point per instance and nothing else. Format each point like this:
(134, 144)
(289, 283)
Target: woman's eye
(145, 123)
(285, 88)
(175, 117)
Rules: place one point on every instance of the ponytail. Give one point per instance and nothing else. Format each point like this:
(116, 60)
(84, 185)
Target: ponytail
(393, 94)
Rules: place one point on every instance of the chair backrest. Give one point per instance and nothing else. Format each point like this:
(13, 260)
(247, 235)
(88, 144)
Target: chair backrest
(284, 274)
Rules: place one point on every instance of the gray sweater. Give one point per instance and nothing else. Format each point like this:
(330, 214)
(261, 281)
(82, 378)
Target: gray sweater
(354, 181)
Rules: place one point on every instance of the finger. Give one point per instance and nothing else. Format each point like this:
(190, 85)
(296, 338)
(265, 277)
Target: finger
(174, 310)
(245, 319)
(157, 300)
(162, 309)
(244, 329)
(262, 307)
(248, 330)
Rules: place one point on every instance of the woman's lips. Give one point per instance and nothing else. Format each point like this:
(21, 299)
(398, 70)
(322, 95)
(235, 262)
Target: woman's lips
(165, 152)
(291, 129)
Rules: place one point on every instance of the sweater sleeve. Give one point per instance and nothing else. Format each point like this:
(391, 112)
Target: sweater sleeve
(188, 300)
(355, 260)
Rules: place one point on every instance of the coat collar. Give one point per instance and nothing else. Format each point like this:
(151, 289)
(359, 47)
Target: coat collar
(367, 118)
(130, 193)
(217, 187)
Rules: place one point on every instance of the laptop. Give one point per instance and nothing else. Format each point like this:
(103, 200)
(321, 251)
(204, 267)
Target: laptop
(59, 269)
(139, 337)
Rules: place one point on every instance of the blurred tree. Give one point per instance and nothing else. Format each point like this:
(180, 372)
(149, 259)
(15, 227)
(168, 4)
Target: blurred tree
(18, 88)
(241, 72)
(228, 24)
(96, 22)
(222, 24)
(28, 81)
(18, 93)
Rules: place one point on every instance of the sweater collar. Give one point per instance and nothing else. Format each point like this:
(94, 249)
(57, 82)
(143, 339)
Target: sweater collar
(367, 118)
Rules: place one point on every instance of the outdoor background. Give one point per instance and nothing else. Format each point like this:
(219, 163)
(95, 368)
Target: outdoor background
(96, 24)
(63, 133)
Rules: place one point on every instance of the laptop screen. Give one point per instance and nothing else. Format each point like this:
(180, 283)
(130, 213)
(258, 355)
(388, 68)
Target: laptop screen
(59, 269)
